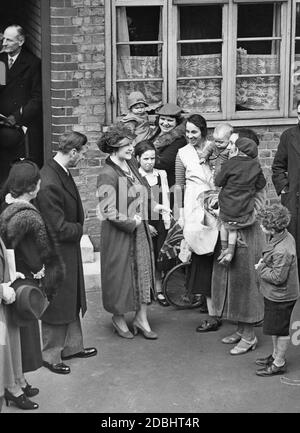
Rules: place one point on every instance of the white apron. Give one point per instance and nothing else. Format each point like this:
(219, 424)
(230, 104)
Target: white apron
(200, 227)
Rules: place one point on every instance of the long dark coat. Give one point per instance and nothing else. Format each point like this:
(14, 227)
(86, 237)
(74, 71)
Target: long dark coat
(117, 238)
(21, 96)
(60, 205)
(286, 173)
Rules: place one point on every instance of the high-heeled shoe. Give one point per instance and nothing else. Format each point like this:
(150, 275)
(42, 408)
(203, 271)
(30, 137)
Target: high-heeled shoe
(239, 350)
(137, 327)
(120, 332)
(22, 402)
(29, 391)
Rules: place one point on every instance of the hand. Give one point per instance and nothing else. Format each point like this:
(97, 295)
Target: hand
(138, 220)
(161, 208)
(9, 295)
(258, 264)
(10, 121)
(20, 275)
(153, 231)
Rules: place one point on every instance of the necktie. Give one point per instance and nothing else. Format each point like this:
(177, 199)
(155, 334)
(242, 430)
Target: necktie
(10, 62)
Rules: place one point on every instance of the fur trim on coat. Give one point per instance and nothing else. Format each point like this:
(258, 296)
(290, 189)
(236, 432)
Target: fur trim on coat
(20, 219)
(161, 141)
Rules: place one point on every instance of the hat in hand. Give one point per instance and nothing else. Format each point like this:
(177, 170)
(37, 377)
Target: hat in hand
(247, 146)
(30, 303)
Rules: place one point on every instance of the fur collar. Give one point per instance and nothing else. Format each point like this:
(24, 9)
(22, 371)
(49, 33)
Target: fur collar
(161, 141)
(20, 219)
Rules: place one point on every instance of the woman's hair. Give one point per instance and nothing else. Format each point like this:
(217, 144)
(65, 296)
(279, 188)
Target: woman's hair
(71, 140)
(200, 122)
(108, 142)
(142, 147)
(275, 217)
(22, 178)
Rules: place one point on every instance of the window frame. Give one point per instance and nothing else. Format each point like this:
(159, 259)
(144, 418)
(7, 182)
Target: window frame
(114, 45)
(285, 115)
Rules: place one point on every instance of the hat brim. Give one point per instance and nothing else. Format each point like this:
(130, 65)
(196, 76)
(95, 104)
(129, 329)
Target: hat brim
(30, 302)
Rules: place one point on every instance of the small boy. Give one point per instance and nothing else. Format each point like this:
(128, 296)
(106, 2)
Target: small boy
(137, 120)
(240, 178)
(216, 152)
(278, 274)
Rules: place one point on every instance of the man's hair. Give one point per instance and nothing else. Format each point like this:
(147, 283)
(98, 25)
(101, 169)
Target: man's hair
(20, 31)
(275, 217)
(71, 140)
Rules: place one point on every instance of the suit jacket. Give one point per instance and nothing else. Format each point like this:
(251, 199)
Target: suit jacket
(21, 96)
(286, 174)
(59, 202)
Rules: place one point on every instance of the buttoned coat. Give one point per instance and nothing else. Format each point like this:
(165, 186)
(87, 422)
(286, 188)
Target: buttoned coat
(59, 202)
(286, 174)
(118, 255)
(21, 96)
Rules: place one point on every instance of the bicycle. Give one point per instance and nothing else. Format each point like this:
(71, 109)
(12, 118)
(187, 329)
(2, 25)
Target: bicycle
(175, 288)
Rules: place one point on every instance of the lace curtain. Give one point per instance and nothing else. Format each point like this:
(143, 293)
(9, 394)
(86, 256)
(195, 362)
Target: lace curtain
(140, 67)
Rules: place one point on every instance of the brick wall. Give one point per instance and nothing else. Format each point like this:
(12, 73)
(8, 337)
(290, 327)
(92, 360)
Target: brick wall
(78, 88)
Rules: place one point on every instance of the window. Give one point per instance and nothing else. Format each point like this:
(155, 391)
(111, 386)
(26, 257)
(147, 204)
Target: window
(227, 59)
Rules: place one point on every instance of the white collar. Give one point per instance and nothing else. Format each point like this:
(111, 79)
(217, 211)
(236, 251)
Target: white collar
(13, 57)
(145, 173)
(62, 166)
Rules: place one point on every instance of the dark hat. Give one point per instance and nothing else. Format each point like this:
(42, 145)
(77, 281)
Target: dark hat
(23, 174)
(30, 301)
(169, 110)
(136, 98)
(247, 146)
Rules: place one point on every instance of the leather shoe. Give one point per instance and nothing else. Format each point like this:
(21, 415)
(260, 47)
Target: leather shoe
(271, 370)
(162, 300)
(265, 361)
(85, 353)
(60, 368)
(211, 324)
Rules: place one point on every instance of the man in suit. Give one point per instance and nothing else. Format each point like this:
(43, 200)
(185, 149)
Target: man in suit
(61, 207)
(20, 101)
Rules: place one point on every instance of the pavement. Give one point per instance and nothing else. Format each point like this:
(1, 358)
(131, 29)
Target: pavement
(181, 372)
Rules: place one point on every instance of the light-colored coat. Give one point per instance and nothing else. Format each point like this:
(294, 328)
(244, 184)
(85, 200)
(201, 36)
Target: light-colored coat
(278, 271)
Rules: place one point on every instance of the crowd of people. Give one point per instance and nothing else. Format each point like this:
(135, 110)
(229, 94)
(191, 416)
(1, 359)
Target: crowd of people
(243, 254)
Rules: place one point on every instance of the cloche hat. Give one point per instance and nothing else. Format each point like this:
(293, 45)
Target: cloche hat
(136, 98)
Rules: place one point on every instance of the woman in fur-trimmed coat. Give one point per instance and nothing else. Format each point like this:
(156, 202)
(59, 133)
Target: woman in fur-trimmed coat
(23, 229)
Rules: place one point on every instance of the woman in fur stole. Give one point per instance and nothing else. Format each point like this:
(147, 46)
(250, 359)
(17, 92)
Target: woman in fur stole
(23, 229)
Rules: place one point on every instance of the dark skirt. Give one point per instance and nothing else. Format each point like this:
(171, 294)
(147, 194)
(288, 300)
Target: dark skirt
(277, 317)
(200, 276)
(31, 347)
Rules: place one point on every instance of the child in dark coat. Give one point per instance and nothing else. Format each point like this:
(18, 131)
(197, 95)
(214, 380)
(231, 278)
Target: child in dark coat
(279, 284)
(239, 178)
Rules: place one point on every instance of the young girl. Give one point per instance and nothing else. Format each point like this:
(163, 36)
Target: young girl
(279, 284)
(158, 224)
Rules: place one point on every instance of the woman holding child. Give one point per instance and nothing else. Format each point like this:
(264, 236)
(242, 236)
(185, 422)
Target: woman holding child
(235, 293)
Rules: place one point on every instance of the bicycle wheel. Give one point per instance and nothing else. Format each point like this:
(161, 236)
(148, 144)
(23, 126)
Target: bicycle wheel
(175, 288)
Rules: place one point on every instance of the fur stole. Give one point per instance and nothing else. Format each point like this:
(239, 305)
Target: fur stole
(20, 219)
(164, 140)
